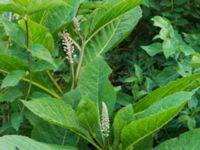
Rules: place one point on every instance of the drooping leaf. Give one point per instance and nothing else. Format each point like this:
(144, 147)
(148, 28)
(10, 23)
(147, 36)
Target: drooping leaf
(13, 142)
(58, 113)
(13, 78)
(186, 141)
(184, 84)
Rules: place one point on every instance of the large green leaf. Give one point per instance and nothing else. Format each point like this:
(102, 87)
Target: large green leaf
(173, 100)
(113, 11)
(184, 84)
(28, 7)
(52, 134)
(57, 17)
(38, 34)
(93, 82)
(110, 34)
(134, 132)
(15, 142)
(58, 113)
(186, 141)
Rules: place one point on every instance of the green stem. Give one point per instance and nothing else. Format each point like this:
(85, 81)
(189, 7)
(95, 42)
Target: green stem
(79, 64)
(55, 83)
(28, 59)
(52, 93)
(72, 75)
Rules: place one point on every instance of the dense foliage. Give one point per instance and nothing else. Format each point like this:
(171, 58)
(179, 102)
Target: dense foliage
(105, 75)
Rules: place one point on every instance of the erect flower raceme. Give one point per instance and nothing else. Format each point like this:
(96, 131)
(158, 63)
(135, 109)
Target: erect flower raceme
(105, 124)
(68, 46)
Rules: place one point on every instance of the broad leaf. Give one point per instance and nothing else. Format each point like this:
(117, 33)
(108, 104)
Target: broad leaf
(52, 134)
(58, 113)
(28, 7)
(38, 34)
(57, 17)
(93, 82)
(184, 84)
(186, 141)
(111, 12)
(134, 132)
(111, 34)
(173, 100)
(11, 94)
(14, 142)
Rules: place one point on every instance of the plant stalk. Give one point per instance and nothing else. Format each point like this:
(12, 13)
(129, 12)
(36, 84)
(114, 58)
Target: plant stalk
(79, 64)
(28, 59)
(55, 83)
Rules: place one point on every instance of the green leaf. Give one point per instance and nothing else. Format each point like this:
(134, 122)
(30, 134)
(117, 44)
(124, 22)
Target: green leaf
(28, 7)
(12, 142)
(134, 132)
(58, 113)
(88, 115)
(95, 84)
(138, 73)
(122, 118)
(111, 34)
(38, 34)
(184, 84)
(52, 134)
(186, 141)
(13, 78)
(10, 95)
(113, 11)
(153, 49)
(15, 32)
(16, 120)
(57, 17)
(42, 53)
(173, 100)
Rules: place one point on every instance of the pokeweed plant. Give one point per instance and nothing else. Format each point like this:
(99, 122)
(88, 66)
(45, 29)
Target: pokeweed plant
(85, 110)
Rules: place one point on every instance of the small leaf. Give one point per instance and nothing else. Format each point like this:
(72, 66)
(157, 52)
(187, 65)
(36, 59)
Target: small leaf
(13, 78)
(153, 49)
(88, 115)
(10, 94)
(16, 120)
(138, 73)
